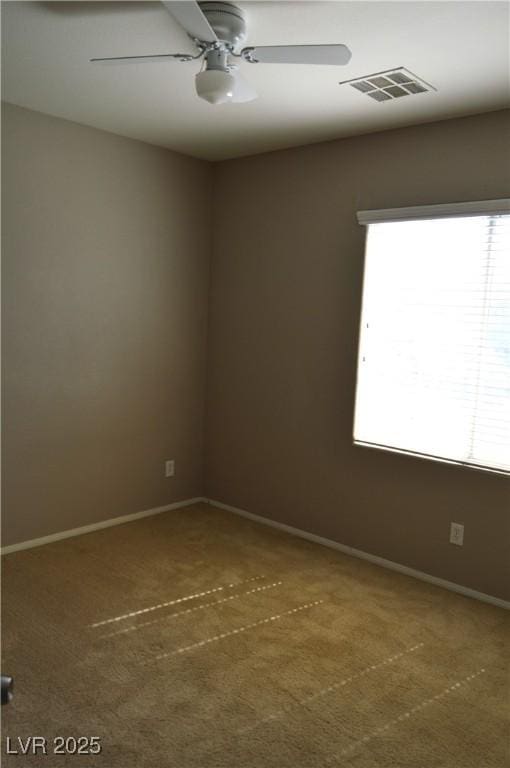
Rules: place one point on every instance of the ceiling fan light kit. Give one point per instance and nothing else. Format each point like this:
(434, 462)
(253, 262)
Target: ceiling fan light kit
(218, 30)
(215, 86)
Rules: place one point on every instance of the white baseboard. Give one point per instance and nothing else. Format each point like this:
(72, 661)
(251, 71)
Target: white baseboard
(466, 591)
(97, 526)
(404, 569)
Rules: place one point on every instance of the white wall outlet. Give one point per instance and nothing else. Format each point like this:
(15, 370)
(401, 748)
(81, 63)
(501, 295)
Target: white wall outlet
(457, 534)
(169, 468)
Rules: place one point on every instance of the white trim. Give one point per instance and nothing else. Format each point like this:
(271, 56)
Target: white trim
(466, 591)
(97, 526)
(478, 208)
(450, 585)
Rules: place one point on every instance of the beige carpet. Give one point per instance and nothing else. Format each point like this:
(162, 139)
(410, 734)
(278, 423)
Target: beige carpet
(197, 639)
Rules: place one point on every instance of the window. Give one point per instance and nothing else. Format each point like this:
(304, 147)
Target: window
(434, 350)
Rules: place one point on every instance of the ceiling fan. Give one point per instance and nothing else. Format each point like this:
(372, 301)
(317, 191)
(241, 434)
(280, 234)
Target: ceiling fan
(218, 30)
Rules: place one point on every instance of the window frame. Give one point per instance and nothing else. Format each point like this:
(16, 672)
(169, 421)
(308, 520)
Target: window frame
(493, 207)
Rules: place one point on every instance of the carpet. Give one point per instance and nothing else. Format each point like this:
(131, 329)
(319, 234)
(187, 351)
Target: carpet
(198, 639)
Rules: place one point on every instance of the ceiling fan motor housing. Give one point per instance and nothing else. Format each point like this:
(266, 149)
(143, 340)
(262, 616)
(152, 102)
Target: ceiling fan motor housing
(227, 21)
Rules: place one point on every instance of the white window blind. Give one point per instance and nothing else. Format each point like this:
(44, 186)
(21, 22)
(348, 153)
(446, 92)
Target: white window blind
(434, 352)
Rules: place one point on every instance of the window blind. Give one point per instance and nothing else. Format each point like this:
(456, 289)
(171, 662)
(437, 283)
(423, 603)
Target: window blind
(434, 350)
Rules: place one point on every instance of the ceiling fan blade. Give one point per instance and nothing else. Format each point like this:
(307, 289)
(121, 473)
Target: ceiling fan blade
(243, 90)
(157, 57)
(298, 54)
(190, 17)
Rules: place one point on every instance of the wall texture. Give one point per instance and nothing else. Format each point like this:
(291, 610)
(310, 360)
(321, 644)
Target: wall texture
(284, 313)
(105, 278)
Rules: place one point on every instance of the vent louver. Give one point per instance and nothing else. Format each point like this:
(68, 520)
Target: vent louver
(391, 84)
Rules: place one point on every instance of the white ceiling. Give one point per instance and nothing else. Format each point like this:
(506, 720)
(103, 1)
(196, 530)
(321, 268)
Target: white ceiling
(462, 48)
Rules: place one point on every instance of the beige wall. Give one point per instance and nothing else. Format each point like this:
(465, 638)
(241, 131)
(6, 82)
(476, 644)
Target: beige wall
(105, 284)
(105, 275)
(284, 313)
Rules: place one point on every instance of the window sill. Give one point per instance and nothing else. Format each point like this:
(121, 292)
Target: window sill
(426, 457)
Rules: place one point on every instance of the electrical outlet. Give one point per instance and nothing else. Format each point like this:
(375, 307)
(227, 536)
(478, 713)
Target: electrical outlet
(457, 534)
(169, 468)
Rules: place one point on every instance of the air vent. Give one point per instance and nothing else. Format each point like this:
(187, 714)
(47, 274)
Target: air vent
(392, 84)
